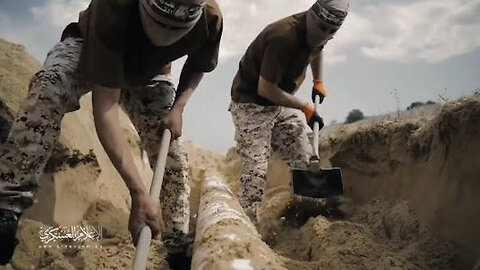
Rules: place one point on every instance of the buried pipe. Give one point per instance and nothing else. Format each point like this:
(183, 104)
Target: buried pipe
(225, 237)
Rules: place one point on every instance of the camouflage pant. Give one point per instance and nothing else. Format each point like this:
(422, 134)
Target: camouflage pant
(258, 131)
(55, 91)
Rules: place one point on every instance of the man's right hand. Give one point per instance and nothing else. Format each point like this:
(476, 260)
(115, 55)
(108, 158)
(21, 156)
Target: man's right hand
(144, 212)
(312, 116)
(318, 89)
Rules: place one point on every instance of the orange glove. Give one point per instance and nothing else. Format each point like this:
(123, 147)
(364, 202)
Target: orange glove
(318, 89)
(311, 115)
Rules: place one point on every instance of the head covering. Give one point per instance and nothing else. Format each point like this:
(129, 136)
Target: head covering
(167, 21)
(324, 18)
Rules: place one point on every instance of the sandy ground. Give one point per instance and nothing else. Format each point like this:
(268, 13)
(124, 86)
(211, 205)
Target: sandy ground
(431, 162)
(390, 165)
(381, 235)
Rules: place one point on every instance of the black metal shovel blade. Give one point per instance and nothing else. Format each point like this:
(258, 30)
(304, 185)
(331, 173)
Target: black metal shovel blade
(322, 184)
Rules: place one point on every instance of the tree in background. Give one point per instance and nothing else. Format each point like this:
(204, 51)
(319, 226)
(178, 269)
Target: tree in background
(415, 104)
(354, 116)
(420, 104)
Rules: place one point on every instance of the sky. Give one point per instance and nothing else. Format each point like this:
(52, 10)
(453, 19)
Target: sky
(387, 54)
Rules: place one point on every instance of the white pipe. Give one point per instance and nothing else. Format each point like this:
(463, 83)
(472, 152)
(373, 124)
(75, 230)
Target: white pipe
(225, 237)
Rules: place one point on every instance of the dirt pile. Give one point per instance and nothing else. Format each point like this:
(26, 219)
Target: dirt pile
(381, 235)
(430, 161)
(16, 68)
(425, 166)
(112, 252)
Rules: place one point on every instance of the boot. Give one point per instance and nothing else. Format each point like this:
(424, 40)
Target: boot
(8, 229)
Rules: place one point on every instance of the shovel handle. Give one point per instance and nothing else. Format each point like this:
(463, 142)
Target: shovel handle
(145, 237)
(316, 129)
(160, 165)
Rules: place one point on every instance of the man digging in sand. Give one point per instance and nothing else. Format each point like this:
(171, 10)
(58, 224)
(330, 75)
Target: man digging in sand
(122, 52)
(264, 108)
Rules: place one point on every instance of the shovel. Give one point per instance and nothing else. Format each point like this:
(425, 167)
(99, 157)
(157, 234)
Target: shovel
(143, 244)
(317, 182)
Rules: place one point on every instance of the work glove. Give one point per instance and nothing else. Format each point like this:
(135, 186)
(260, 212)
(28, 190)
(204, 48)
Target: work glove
(318, 89)
(312, 116)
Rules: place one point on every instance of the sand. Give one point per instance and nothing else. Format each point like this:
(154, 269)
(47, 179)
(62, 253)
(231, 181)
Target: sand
(431, 162)
(380, 236)
(410, 201)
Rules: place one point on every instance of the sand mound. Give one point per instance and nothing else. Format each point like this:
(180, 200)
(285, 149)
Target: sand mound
(382, 235)
(432, 162)
(16, 69)
(426, 168)
(113, 252)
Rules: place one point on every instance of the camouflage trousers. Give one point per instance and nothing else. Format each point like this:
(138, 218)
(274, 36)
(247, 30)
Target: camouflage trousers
(55, 91)
(259, 130)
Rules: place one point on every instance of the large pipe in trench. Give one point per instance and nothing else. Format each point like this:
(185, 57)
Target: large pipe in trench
(225, 237)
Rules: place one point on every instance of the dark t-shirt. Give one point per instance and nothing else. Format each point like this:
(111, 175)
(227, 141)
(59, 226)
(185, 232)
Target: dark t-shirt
(117, 53)
(280, 54)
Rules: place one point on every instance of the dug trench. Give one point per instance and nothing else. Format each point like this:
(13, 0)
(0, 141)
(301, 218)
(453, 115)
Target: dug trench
(410, 195)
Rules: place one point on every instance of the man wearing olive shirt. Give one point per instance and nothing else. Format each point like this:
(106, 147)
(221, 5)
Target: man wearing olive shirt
(264, 108)
(122, 52)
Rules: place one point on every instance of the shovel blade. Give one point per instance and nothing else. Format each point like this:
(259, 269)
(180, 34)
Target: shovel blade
(318, 184)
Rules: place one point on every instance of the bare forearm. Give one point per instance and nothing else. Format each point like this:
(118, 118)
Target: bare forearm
(113, 141)
(277, 96)
(282, 98)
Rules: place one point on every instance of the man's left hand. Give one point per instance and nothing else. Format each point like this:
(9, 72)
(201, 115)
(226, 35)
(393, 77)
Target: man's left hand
(173, 121)
(318, 89)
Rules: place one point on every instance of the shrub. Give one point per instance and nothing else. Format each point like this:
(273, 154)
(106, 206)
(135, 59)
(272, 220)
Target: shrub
(354, 116)
(415, 104)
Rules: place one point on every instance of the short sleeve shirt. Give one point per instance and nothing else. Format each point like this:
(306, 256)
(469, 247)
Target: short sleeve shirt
(117, 53)
(279, 54)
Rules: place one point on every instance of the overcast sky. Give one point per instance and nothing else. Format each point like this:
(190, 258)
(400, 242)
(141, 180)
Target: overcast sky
(424, 48)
